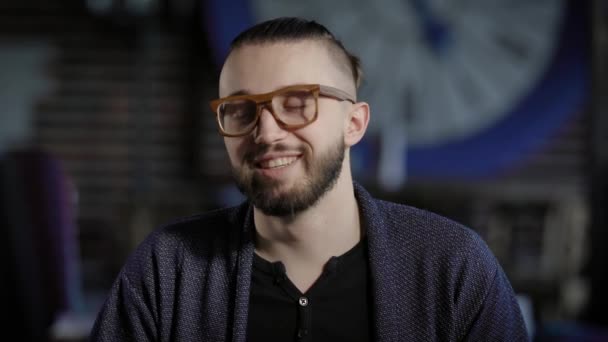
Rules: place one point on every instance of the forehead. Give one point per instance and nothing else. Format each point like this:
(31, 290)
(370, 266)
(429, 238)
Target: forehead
(261, 68)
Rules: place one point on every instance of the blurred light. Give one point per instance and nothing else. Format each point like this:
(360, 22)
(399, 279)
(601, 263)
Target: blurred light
(100, 6)
(141, 7)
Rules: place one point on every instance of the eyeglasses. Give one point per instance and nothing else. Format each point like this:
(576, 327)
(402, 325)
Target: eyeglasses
(292, 107)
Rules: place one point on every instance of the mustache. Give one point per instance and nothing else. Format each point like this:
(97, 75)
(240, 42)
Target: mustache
(257, 151)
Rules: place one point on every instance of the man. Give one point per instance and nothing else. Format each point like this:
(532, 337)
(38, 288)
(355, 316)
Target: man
(311, 256)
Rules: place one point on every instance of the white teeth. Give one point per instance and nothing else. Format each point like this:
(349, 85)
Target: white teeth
(278, 162)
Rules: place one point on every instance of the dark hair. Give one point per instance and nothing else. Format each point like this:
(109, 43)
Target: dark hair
(294, 29)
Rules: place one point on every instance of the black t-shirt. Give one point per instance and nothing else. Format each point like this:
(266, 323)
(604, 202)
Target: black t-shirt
(335, 308)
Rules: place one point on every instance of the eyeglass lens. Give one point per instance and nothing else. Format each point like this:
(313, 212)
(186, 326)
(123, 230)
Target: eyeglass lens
(294, 107)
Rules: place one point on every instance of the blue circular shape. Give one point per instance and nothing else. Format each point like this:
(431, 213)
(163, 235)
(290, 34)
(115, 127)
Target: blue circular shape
(556, 99)
(224, 20)
(559, 95)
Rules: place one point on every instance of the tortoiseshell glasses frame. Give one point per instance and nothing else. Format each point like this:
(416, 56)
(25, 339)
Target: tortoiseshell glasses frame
(248, 108)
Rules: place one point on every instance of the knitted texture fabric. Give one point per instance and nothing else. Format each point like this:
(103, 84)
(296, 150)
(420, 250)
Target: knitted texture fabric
(432, 280)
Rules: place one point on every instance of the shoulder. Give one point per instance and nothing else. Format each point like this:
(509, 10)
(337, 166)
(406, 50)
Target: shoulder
(193, 239)
(423, 234)
(426, 227)
(448, 267)
(419, 239)
(171, 274)
(219, 223)
(416, 230)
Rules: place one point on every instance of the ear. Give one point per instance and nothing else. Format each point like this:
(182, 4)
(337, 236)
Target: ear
(356, 123)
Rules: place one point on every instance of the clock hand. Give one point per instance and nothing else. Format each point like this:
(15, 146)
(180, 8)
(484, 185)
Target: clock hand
(435, 30)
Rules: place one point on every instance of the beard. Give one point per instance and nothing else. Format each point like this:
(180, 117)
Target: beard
(267, 195)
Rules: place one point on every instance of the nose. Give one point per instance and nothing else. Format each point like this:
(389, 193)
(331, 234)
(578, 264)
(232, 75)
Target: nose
(268, 129)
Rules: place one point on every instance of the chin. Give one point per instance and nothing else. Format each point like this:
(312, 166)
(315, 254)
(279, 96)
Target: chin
(289, 196)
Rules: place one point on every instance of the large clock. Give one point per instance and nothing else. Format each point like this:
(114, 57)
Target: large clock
(445, 79)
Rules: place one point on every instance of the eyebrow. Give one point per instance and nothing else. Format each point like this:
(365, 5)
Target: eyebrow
(239, 92)
(246, 92)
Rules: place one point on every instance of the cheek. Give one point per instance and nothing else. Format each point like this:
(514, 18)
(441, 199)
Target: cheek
(331, 122)
(323, 133)
(235, 148)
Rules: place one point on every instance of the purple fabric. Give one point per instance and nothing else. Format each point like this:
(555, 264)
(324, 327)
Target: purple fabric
(46, 199)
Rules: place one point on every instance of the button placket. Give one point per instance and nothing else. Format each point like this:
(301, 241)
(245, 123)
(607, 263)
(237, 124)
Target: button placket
(304, 319)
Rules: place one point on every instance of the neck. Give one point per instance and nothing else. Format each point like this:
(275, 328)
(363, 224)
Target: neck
(305, 242)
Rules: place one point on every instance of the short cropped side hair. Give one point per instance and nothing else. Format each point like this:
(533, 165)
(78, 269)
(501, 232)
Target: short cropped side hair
(287, 29)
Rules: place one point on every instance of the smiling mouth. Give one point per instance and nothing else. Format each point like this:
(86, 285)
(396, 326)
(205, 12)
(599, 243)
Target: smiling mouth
(276, 162)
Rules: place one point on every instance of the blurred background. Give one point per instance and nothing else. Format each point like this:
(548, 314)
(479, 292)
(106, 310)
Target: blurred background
(493, 113)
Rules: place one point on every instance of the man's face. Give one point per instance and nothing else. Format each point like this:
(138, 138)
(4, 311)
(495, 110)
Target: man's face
(284, 172)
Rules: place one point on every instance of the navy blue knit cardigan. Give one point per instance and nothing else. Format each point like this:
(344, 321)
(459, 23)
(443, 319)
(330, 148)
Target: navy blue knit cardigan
(432, 280)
